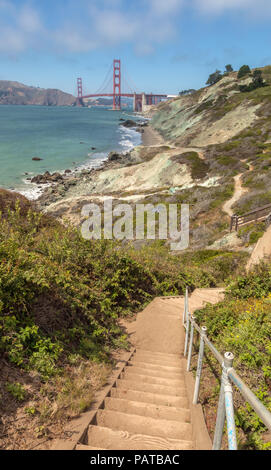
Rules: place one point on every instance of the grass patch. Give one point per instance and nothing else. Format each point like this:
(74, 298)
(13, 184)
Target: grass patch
(202, 107)
(199, 168)
(222, 195)
(251, 233)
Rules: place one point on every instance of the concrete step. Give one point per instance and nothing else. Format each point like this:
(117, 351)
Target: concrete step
(156, 366)
(148, 397)
(148, 409)
(136, 424)
(169, 382)
(149, 358)
(111, 439)
(159, 354)
(172, 315)
(157, 372)
(152, 388)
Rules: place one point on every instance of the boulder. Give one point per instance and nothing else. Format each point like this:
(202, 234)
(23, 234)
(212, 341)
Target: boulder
(113, 156)
(47, 178)
(129, 123)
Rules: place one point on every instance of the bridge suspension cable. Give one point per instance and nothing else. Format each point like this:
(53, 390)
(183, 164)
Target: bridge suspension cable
(130, 82)
(107, 81)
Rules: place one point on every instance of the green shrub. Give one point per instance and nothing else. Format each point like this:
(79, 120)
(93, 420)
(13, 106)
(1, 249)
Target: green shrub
(256, 283)
(244, 328)
(61, 295)
(243, 71)
(16, 390)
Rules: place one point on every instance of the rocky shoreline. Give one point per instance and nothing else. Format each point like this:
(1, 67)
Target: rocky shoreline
(57, 184)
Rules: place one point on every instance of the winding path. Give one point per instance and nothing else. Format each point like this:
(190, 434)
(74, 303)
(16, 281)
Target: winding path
(239, 191)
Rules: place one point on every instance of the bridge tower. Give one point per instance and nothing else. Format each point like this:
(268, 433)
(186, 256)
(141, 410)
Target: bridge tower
(116, 84)
(79, 88)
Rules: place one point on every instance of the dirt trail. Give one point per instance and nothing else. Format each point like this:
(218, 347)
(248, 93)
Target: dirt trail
(150, 405)
(238, 192)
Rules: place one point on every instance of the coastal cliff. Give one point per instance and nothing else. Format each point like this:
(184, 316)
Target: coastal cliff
(205, 140)
(15, 93)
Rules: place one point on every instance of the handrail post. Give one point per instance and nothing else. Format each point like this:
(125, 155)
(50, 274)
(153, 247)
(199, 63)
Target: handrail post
(199, 368)
(225, 408)
(190, 343)
(220, 418)
(186, 334)
(185, 305)
(187, 325)
(232, 441)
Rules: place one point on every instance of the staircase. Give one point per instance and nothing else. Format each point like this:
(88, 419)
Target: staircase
(147, 410)
(150, 405)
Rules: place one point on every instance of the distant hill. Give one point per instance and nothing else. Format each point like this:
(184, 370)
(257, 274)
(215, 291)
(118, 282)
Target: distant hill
(20, 94)
(109, 101)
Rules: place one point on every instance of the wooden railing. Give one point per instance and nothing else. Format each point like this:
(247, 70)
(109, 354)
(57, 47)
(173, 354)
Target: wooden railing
(259, 214)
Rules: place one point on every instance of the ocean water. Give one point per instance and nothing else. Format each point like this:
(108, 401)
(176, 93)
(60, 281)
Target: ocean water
(62, 136)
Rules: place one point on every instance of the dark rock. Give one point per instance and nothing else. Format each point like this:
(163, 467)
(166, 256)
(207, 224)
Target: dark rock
(38, 179)
(129, 123)
(68, 171)
(93, 148)
(113, 156)
(47, 178)
(56, 177)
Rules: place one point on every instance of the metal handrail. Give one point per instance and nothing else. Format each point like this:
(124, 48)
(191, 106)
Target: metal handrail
(225, 408)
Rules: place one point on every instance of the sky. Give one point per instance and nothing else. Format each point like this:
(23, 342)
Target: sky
(165, 45)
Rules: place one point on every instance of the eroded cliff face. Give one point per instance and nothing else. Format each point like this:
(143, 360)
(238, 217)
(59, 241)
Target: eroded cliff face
(14, 93)
(212, 115)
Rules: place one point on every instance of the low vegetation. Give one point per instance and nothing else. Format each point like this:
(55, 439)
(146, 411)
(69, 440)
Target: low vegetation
(61, 298)
(242, 324)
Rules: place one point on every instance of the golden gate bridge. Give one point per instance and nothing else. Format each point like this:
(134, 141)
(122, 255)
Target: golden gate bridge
(140, 100)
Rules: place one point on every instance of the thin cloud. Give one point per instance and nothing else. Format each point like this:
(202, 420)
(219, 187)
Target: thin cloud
(85, 26)
(101, 24)
(258, 9)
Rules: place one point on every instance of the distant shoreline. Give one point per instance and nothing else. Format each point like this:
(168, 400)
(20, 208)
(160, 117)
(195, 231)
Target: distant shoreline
(149, 138)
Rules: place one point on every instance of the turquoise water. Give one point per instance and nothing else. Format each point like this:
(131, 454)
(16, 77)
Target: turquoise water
(61, 136)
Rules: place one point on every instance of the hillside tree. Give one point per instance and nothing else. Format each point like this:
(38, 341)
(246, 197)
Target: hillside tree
(214, 78)
(228, 68)
(243, 71)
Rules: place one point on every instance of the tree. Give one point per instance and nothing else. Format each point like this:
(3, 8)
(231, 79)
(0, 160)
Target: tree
(257, 79)
(257, 82)
(214, 78)
(243, 71)
(187, 92)
(228, 68)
